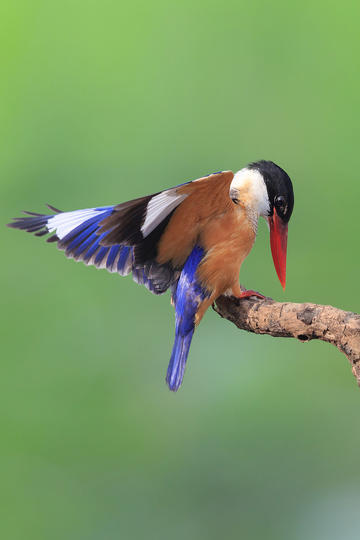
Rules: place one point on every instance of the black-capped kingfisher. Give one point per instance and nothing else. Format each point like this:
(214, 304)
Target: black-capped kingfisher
(191, 239)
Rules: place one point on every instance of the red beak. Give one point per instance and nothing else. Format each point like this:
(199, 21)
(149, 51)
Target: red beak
(278, 242)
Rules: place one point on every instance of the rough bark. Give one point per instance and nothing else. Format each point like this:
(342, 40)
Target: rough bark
(301, 321)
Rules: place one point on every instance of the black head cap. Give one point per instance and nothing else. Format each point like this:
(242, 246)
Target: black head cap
(279, 188)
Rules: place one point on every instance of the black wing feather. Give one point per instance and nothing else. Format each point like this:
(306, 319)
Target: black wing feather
(113, 240)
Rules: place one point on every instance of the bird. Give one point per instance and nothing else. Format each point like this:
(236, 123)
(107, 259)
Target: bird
(190, 239)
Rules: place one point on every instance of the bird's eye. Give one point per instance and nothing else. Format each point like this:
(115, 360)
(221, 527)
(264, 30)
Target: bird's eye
(280, 204)
(234, 196)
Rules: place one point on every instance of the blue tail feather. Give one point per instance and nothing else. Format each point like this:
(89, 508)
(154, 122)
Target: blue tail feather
(187, 297)
(175, 372)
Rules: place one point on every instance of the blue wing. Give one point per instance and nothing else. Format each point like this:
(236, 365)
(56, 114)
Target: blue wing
(187, 297)
(80, 235)
(122, 238)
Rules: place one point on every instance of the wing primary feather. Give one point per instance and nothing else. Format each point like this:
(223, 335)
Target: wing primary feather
(53, 238)
(56, 210)
(32, 213)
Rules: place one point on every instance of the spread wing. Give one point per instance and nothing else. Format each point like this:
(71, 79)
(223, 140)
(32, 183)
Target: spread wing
(126, 238)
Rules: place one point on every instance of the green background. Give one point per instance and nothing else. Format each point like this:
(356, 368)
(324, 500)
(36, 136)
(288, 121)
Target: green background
(106, 101)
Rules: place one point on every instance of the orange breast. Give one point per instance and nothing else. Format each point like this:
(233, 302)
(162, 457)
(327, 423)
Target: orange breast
(227, 240)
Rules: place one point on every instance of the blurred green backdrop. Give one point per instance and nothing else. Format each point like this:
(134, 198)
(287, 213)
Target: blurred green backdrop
(105, 101)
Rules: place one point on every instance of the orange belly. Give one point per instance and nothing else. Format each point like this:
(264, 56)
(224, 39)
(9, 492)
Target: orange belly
(227, 241)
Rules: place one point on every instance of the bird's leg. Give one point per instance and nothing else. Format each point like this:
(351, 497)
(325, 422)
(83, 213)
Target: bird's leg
(240, 292)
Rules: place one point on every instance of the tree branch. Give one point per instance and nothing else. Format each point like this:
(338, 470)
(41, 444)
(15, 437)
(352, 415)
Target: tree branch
(301, 321)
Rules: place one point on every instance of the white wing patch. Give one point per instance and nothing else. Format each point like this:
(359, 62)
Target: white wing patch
(65, 222)
(159, 208)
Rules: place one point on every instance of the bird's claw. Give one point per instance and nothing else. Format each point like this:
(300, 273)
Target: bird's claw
(249, 293)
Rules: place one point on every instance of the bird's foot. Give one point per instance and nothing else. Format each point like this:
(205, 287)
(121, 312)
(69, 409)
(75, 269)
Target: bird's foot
(247, 293)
